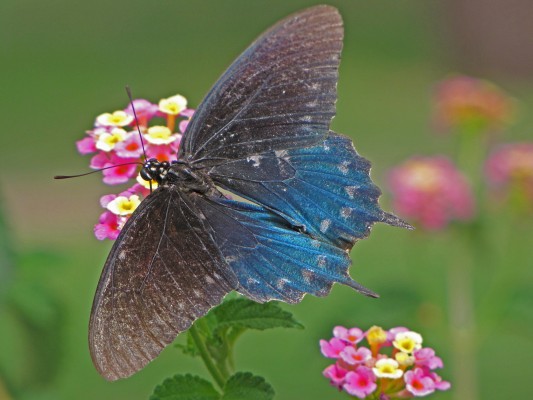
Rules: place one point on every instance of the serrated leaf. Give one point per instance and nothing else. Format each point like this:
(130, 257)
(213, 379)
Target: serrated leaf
(185, 387)
(245, 386)
(244, 313)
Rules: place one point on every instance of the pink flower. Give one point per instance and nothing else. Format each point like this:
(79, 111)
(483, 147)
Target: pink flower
(161, 152)
(511, 167)
(431, 191)
(120, 173)
(335, 374)
(438, 382)
(145, 110)
(352, 356)
(137, 189)
(391, 334)
(418, 383)
(425, 357)
(86, 145)
(333, 348)
(471, 105)
(99, 160)
(183, 124)
(131, 147)
(108, 226)
(352, 335)
(106, 199)
(361, 382)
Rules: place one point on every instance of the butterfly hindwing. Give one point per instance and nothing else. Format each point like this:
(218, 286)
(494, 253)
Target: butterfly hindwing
(326, 189)
(280, 93)
(272, 260)
(163, 272)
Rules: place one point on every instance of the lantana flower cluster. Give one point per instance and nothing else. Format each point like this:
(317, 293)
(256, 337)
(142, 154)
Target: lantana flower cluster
(380, 364)
(116, 146)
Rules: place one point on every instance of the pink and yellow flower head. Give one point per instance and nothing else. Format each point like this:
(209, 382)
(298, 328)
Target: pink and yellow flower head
(387, 368)
(407, 342)
(471, 105)
(400, 368)
(431, 191)
(115, 119)
(115, 142)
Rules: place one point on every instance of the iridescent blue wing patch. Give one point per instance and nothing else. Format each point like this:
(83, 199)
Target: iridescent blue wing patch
(272, 260)
(324, 190)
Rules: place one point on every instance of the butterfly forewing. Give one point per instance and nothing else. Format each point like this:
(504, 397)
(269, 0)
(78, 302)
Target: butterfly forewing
(280, 93)
(163, 272)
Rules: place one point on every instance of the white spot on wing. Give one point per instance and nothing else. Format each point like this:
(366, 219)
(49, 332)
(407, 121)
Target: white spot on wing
(280, 284)
(321, 261)
(251, 281)
(324, 225)
(346, 212)
(255, 160)
(307, 275)
(350, 191)
(343, 167)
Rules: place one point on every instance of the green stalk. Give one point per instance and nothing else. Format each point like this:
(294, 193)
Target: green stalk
(462, 325)
(204, 353)
(461, 305)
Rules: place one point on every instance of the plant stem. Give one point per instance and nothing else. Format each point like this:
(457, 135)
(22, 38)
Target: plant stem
(204, 353)
(463, 325)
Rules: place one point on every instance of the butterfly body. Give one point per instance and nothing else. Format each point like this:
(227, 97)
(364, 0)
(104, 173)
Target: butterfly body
(180, 173)
(263, 134)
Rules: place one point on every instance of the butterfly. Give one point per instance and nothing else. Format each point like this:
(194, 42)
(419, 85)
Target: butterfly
(304, 198)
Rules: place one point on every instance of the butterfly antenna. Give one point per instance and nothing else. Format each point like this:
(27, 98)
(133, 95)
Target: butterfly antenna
(128, 91)
(95, 171)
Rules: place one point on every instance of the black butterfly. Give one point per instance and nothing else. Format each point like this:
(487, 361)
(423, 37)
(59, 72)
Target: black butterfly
(262, 132)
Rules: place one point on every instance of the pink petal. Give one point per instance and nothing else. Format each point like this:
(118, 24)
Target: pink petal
(86, 145)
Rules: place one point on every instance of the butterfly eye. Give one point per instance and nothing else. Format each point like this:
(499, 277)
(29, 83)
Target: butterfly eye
(145, 174)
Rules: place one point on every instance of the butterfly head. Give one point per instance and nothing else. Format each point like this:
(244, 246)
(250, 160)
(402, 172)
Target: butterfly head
(155, 170)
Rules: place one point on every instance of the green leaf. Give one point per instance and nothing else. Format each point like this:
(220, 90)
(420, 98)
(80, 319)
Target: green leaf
(245, 386)
(185, 387)
(244, 313)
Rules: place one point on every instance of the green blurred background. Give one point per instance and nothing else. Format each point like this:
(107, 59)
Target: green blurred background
(64, 62)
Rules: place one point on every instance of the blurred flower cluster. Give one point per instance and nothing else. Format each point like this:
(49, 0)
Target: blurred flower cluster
(119, 152)
(433, 191)
(471, 105)
(509, 170)
(379, 364)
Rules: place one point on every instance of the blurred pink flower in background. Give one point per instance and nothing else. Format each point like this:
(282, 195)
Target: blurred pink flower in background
(510, 166)
(473, 105)
(431, 191)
